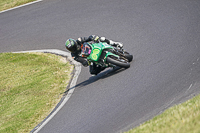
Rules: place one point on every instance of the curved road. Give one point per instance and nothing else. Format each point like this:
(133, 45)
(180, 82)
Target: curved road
(162, 35)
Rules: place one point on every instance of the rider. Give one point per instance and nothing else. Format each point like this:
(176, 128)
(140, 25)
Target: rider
(74, 46)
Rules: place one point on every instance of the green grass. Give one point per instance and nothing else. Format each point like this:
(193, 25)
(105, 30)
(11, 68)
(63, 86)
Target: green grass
(7, 4)
(182, 118)
(30, 87)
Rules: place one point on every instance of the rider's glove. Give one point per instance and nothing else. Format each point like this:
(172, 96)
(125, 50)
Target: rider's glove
(94, 38)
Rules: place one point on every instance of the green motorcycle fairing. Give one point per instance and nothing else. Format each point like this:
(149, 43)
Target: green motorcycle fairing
(96, 51)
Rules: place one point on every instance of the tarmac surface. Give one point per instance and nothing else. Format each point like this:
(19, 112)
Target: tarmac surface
(162, 35)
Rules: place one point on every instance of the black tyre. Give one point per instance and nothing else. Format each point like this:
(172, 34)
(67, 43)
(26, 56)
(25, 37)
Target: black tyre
(128, 56)
(118, 62)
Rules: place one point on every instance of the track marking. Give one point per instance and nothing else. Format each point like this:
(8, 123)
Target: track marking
(21, 6)
(188, 88)
(77, 70)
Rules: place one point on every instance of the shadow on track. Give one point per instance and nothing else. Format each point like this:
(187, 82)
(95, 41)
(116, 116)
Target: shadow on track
(102, 75)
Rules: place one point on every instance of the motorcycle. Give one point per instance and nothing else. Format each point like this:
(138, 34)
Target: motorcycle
(106, 55)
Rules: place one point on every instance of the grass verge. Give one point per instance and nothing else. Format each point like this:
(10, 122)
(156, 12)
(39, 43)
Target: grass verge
(182, 118)
(31, 84)
(7, 4)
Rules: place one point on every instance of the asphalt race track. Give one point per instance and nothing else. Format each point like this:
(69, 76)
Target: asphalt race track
(163, 36)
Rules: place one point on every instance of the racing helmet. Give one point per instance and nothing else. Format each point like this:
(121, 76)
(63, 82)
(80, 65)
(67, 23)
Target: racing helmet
(71, 45)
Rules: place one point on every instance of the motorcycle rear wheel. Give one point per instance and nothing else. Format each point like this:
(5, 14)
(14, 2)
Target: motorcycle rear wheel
(118, 62)
(128, 56)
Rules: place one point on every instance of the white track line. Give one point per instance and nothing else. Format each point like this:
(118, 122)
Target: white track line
(71, 87)
(21, 6)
